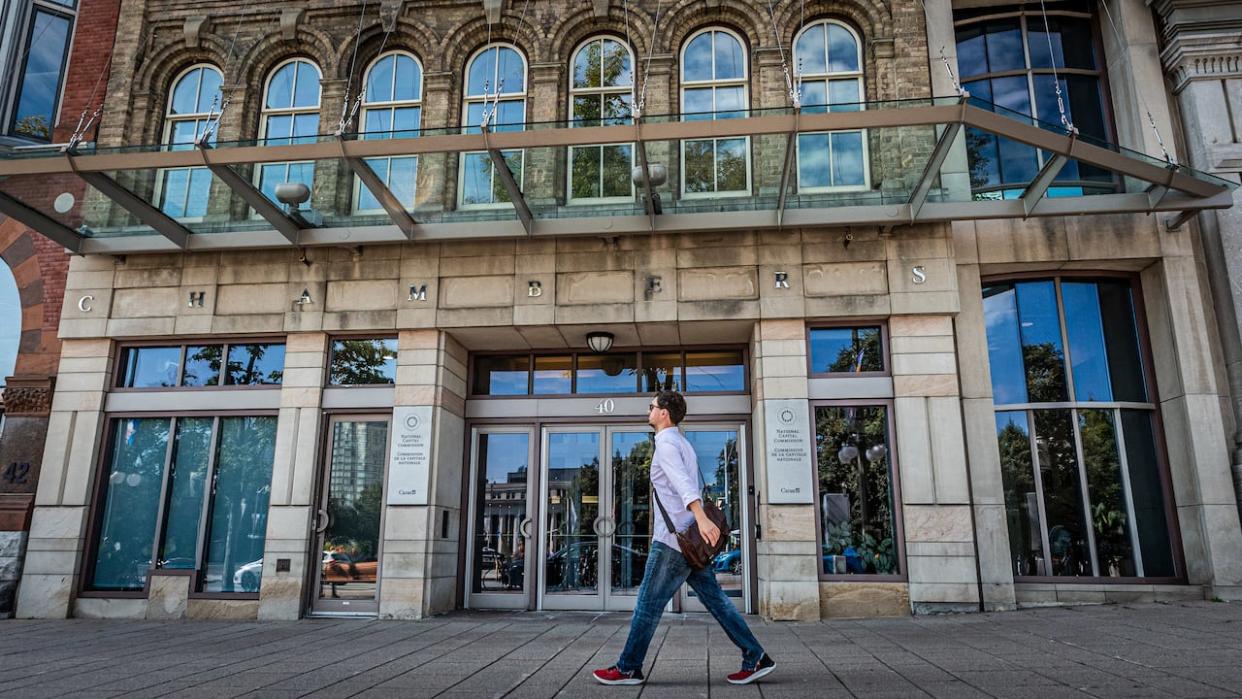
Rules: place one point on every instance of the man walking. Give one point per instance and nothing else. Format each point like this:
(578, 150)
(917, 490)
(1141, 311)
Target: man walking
(675, 481)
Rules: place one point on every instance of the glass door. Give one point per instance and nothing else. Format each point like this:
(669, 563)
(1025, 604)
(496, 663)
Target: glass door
(628, 520)
(348, 522)
(720, 452)
(572, 526)
(501, 536)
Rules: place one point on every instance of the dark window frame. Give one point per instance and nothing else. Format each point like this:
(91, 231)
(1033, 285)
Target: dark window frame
(331, 351)
(573, 353)
(88, 553)
(885, 349)
(1160, 443)
(1023, 13)
(894, 475)
(118, 369)
(25, 26)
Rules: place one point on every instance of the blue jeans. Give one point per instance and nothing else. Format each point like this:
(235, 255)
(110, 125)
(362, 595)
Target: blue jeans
(666, 571)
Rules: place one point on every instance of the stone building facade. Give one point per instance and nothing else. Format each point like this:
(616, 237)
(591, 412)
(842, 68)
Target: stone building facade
(946, 416)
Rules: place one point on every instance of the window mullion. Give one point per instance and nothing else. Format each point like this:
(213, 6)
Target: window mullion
(1065, 347)
(1089, 522)
(1131, 520)
(209, 491)
(162, 511)
(1033, 438)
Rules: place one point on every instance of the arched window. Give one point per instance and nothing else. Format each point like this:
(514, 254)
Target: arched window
(290, 115)
(183, 191)
(714, 85)
(498, 69)
(600, 91)
(392, 107)
(829, 58)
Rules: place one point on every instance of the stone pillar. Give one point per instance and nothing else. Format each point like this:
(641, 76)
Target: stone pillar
(787, 552)
(419, 567)
(1134, 77)
(955, 173)
(58, 525)
(931, 455)
(291, 509)
(1194, 430)
(983, 455)
(543, 183)
(437, 170)
(26, 403)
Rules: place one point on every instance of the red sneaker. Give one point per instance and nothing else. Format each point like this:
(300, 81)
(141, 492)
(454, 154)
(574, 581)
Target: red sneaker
(763, 669)
(614, 676)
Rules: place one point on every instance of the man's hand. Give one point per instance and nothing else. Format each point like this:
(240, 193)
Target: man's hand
(710, 532)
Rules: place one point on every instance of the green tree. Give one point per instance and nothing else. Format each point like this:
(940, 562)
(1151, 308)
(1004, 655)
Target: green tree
(363, 362)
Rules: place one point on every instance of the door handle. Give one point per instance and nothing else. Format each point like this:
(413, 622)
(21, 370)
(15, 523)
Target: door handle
(606, 521)
(524, 527)
(321, 521)
(595, 525)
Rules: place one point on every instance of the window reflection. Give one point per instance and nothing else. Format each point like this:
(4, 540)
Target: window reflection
(572, 546)
(150, 367)
(846, 350)
(1026, 547)
(369, 361)
(856, 505)
(607, 373)
(257, 364)
(237, 525)
(499, 544)
(127, 530)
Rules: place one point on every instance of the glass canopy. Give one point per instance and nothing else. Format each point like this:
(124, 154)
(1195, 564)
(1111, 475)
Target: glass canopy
(885, 164)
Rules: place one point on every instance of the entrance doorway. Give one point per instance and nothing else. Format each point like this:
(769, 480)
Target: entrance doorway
(350, 516)
(574, 531)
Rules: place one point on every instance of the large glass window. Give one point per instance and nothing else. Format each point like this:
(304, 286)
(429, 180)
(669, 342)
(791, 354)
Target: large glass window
(392, 108)
(495, 88)
(40, 70)
(242, 364)
(221, 466)
(1084, 490)
(829, 59)
(363, 361)
(846, 350)
(195, 96)
(1007, 61)
(691, 371)
(714, 85)
(290, 116)
(601, 88)
(857, 511)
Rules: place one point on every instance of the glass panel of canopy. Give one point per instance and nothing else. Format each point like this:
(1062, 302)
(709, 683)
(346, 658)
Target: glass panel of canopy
(885, 164)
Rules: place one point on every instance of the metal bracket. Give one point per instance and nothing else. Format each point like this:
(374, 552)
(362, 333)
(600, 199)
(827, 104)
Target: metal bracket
(284, 224)
(142, 209)
(392, 206)
(791, 145)
(939, 154)
(649, 197)
(510, 183)
(54, 230)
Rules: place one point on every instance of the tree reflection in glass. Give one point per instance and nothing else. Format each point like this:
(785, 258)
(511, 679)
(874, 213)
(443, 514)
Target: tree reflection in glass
(1026, 546)
(1114, 550)
(369, 361)
(855, 490)
(572, 563)
(1058, 470)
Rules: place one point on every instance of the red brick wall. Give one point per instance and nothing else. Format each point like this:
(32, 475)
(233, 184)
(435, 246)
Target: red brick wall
(88, 59)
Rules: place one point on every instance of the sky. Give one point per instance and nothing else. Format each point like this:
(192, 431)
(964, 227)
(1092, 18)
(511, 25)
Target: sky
(10, 322)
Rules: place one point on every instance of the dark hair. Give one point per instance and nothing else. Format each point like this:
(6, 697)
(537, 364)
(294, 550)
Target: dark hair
(673, 402)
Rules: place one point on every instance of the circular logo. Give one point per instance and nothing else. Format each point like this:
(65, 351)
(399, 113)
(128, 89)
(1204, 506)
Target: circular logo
(787, 416)
(412, 422)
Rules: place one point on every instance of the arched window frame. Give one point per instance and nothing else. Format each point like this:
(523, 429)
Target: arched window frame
(266, 115)
(383, 166)
(715, 84)
(812, 102)
(199, 176)
(510, 97)
(625, 90)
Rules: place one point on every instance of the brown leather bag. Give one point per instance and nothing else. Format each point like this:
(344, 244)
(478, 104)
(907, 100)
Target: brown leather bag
(694, 547)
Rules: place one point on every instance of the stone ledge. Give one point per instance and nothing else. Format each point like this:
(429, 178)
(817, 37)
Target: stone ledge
(847, 600)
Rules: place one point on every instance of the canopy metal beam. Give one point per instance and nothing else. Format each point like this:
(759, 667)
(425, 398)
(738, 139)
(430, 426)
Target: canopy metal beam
(391, 204)
(943, 145)
(242, 187)
(510, 182)
(1034, 192)
(791, 147)
(649, 200)
(163, 224)
(46, 226)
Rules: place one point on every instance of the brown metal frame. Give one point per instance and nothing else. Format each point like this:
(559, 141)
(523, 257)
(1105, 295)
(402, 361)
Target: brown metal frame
(894, 476)
(118, 368)
(1161, 445)
(89, 550)
(573, 385)
(885, 349)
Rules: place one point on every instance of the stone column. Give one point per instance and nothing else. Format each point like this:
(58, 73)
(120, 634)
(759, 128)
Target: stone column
(27, 400)
(931, 455)
(291, 508)
(437, 170)
(419, 567)
(1194, 429)
(955, 173)
(544, 180)
(787, 552)
(58, 525)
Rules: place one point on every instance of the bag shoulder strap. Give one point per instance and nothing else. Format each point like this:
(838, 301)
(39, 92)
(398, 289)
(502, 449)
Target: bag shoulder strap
(668, 521)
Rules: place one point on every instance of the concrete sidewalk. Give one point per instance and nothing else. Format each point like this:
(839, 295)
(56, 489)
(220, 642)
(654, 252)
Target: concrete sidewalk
(1183, 650)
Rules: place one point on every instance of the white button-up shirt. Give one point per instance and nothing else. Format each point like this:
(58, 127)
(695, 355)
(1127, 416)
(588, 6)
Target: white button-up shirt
(675, 479)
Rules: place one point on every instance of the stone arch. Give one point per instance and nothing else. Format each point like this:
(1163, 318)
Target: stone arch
(745, 18)
(272, 48)
(576, 27)
(408, 35)
(462, 43)
(871, 18)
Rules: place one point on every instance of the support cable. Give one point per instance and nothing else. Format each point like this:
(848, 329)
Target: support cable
(1151, 120)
